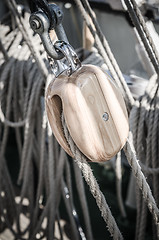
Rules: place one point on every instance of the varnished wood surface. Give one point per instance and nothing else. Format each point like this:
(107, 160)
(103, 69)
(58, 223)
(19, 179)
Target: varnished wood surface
(84, 97)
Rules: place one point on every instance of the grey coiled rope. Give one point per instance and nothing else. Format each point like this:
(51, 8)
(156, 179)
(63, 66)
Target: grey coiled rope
(26, 169)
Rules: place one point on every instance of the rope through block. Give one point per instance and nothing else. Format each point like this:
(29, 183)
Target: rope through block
(7, 185)
(38, 155)
(81, 161)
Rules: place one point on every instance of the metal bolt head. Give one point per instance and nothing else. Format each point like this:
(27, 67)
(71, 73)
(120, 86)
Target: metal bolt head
(105, 116)
(35, 24)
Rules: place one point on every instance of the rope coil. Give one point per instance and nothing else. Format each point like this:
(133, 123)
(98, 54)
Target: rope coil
(39, 152)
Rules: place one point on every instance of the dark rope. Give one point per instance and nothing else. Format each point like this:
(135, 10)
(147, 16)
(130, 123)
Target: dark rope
(143, 35)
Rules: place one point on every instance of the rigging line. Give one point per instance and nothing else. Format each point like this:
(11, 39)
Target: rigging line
(118, 171)
(102, 51)
(143, 33)
(2, 49)
(132, 159)
(7, 182)
(10, 123)
(41, 166)
(59, 226)
(23, 29)
(155, 146)
(17, 108)
(142, 219)
(141, 180)
(10, 227)
(51, 179)
(3, 118)
(69, 198)
(74, 232)
(30, 147)
(83, 200)
(139, 119)
(80, 159)
(36, 88)
(149, 170)
(8, 103)
(143, 24)
(107, 49)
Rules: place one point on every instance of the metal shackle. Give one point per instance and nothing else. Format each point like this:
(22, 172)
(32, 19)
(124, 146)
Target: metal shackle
(39, 22)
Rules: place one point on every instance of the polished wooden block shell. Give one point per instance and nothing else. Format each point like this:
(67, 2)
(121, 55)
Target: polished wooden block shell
(94, 112)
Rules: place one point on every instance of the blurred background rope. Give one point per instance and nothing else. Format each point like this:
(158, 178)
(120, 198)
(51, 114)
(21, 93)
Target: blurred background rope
(24, 73)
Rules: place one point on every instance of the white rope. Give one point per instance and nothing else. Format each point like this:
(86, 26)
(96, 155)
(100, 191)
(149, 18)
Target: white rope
(21, 93)
(81, 161)
(141, 180)
(30, 100)
(118, 170)
(105, 50)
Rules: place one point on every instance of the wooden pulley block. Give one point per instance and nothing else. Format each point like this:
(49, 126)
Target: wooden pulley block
(94, 111)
